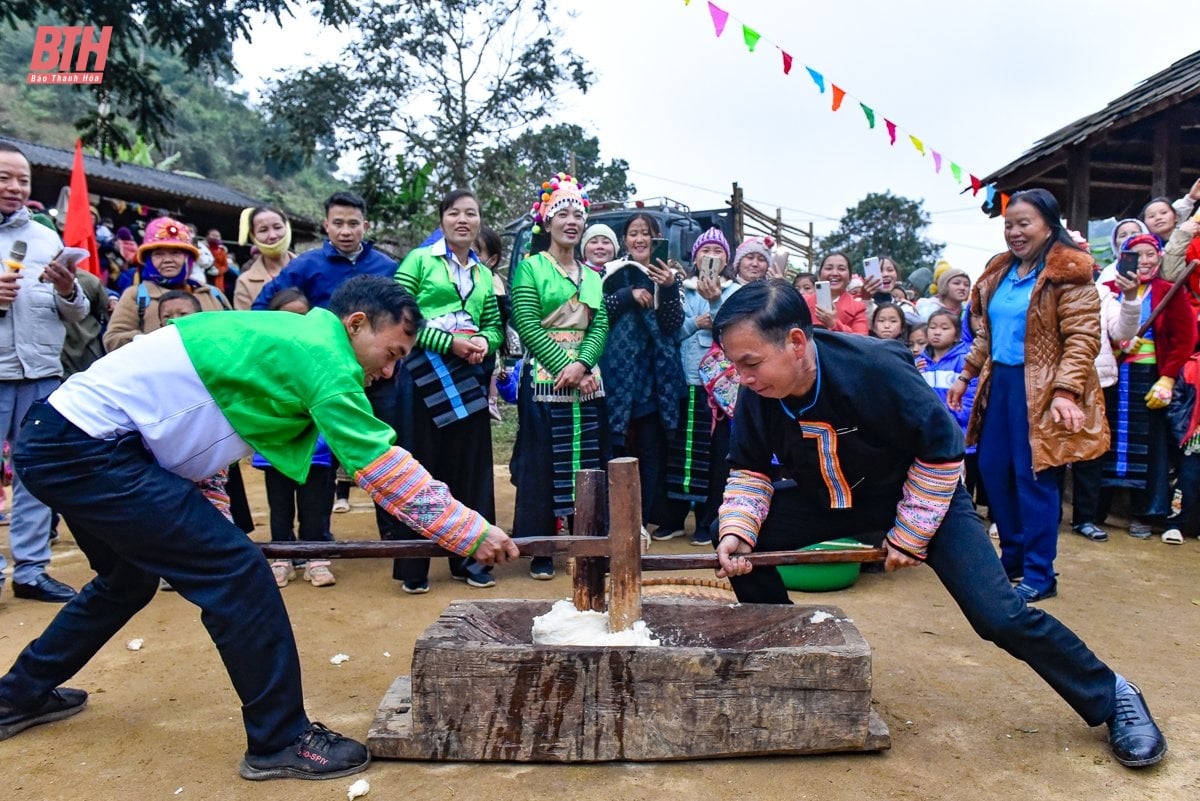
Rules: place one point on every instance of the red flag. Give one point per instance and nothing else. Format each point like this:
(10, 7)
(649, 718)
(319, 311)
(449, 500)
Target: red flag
(838, 95)
(80, 230)
(976, 185)
(787, 62)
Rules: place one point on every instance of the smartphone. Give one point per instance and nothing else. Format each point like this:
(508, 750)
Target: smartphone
(708, 267)
(824, 295)
(660, 251)
(1128, 264)
(871, 268)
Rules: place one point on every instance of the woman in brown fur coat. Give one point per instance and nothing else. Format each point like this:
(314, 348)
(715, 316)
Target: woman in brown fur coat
(1039, 405)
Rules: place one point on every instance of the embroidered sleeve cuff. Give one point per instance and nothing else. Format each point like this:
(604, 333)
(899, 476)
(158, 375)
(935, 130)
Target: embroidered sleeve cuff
(925, 498)
(215, 492)
(397, 482)
(745, 505)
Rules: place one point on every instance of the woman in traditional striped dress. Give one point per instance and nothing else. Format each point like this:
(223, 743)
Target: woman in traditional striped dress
(558, 311)
(441, 388)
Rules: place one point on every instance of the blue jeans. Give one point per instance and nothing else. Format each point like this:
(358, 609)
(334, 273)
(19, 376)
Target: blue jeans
(1025, 505)
(136, 521)
(29, 531)
(965, 562)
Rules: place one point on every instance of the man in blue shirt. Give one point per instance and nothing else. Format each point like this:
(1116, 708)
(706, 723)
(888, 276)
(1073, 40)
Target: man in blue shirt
(319, 272)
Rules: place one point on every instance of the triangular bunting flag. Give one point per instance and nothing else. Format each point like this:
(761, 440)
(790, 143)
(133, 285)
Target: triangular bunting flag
(937, 160)
(991, 195)
(891, 126)
(787, 62)
(1003, 203)
(957, 171)
(870, 114)
(917, 143)
(976, 185)
(838, 95)
(751, 37)
(818, 79)
(719, 18)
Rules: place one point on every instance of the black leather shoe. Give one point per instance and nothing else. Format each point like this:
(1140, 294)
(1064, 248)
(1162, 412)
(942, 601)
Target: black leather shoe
(1132, 734)
(45, 588)
(59, 704)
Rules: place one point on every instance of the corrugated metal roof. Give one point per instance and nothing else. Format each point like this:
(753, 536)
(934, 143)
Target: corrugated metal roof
(1172, 86)
(135, 176)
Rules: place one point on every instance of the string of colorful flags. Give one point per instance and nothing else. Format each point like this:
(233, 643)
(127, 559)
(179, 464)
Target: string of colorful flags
(838, 95)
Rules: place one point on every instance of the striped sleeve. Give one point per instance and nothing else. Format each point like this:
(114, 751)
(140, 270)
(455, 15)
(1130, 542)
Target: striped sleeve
(490, 327)
(397, 482)
(923, 504)
(527, 319)
(408, 275)
(745, 505)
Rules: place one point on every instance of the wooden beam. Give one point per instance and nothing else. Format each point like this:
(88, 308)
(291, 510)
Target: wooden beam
(1165, 176)
(625, 538)
(1079, 175)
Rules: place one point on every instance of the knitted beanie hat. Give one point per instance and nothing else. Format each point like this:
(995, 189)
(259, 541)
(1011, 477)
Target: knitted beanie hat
(753, 244)
(602, 230)
(713, 236)
(555, 195)
(943, 281)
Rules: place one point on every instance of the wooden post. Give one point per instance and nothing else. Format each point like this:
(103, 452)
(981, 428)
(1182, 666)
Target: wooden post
(739, 218)
(1164, 179)
(625, 538)
(591, 520)
(1079, 182)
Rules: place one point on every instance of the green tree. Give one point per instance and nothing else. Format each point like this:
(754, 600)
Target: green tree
(443, 81)
(885, 225)
(201, 33)
(508, 175)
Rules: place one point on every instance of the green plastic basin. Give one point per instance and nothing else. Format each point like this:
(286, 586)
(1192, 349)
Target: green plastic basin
(822, 578)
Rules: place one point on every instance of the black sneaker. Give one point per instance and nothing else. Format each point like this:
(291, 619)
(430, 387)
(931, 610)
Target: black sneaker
(61, 703)
(317, 754)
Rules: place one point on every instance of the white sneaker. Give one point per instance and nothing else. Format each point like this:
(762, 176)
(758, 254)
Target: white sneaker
(319, 574)
(341, 505)
(283, 570)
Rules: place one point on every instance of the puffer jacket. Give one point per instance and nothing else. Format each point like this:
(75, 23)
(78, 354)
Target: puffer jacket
(1119, 321)
(32, 332)
(1062, 340)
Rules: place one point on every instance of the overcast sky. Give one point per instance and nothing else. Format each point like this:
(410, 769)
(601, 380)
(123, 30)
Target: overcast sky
(979, 82)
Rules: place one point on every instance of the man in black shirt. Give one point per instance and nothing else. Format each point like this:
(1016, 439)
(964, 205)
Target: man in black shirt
(874, 455)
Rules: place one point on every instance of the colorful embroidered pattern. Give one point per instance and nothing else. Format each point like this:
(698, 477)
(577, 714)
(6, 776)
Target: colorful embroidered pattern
(397, 482)
(214, 491)
(745, 505)
(926, 497)
(840, 496)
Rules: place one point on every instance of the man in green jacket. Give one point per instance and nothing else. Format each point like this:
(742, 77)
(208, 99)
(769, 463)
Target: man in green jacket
(138, 429)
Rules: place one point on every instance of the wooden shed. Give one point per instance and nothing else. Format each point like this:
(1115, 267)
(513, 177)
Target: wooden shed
(1109, 164)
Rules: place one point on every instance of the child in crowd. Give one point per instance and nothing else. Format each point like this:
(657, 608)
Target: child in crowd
(805, 283)
(917, 339)
(940, 363)
(489, 247)
(312, 501)
(888, 323)
(598, 246)
(175, 304)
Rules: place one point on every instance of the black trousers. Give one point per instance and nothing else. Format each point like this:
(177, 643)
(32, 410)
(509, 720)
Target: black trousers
(966, 563)
(311, 502)
(137, 522)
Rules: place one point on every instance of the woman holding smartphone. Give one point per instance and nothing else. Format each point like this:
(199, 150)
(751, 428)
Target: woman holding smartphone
(643, 375)
(845, 312)
(696, 465)
(1036, 315)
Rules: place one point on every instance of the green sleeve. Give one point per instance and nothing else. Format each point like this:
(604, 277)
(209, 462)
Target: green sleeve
(408, 275)
(356, 437)
(489, 323)
(527, 319)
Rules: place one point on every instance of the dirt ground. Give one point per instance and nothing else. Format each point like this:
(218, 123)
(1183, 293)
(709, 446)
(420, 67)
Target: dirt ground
(965, 718)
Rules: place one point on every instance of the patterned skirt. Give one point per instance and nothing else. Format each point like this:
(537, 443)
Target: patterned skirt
(689, 454)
